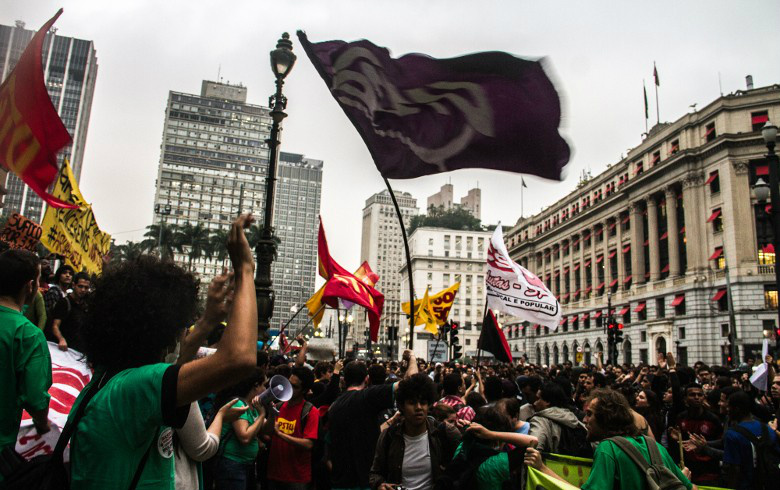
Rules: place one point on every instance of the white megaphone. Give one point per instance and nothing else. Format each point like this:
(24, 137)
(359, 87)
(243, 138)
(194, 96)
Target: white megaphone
(278, 389)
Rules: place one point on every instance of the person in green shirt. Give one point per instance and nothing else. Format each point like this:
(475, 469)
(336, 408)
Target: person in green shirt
(607, 415)
(25, 364)
(136, 318)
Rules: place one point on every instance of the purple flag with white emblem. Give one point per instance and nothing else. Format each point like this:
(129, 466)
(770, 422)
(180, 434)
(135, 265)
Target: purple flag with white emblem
(420, 115)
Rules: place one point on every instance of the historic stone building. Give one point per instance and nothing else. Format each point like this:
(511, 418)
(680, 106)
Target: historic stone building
(663, 235)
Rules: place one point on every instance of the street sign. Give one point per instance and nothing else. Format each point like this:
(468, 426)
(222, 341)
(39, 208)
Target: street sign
(440, 354)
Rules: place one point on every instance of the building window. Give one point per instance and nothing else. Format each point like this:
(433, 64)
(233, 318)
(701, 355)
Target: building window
(770, 297)
(656, 158)
(721, 298)
(758, 120)
(660, 308)
(641, 311)
(681, 333)
(717, 256)
(643, 336)
(638, 167)
(716, 218)
(679, 305)
(724, 329)
(674, 147)
(714, 182)
(709, 132)
(643, 356)
(430, 276)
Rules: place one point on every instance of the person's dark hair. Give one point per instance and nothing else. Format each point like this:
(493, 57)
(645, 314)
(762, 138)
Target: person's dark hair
(240, 389)
(441, 411)
(62, 270)
(493, 419)
(321, 368)
(452, 383)
(692, 386)
(355, 373)
(508, 388)
(599, 380)
(722, 382)
(17, 268)
(553, 393)
(533, 382)
(282, 370)
(81, 276)
(740, 405)
(493, 388)
(510, 406)
(728, 390)
(475, 400)
(416, 387)
(376, 374)
(612, 413)
(137, 311)
(305, 375)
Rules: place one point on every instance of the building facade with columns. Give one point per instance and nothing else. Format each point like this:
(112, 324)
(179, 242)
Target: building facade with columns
(662, 236)
(440, 258)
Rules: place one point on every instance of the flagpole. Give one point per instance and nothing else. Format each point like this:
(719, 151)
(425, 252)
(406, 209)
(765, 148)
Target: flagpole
(281, 331)
(657, 110)
(412, 312)
(644, 89)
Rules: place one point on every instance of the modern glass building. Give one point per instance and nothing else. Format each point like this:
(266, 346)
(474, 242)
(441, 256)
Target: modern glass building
(213, 165)
(70, 69)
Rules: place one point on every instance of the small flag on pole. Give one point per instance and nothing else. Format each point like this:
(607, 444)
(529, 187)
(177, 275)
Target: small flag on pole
(492, 339)
(647, 107)
(655, 75)
(522, 180)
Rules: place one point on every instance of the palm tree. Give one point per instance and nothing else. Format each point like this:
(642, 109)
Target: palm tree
(218, 241)
(196, 239)
(128, 251)
(162, 238)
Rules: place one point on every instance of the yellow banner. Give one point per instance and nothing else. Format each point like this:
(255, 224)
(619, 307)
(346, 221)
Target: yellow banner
(74, 233)
(441, 303)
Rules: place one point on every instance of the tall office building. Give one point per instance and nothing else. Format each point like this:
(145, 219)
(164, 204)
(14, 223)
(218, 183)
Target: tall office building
(213, 165)
(383, 247)
(472, 201)
(70, 69)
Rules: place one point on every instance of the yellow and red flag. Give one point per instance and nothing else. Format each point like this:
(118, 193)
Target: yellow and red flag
(344, 285)
(314, 304)
(31, 131)
(441, 303)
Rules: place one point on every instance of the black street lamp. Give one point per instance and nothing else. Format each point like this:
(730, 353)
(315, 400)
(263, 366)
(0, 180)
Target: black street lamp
(762, 192)
(282, 61)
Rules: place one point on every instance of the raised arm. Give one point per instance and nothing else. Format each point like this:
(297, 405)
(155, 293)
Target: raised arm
(300, 359)
(218, 300)
(236, 354)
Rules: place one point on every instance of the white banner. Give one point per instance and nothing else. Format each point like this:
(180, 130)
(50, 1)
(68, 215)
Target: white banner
(516, 291)
(69, 374)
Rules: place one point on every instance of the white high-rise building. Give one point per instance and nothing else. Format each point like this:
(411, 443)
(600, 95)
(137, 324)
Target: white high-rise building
(383, 247)
(440, 258)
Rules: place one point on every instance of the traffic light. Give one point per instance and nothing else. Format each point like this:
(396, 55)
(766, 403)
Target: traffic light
(454, 342)
(619, 333)
(610, 333)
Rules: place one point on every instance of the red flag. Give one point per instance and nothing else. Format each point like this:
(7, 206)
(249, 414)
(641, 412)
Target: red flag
(344, 285)
(31, 132)
(492, 339)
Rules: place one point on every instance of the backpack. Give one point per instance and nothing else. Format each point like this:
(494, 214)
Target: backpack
(766, 458)
(657, 475)
(48, 472)
(574, 442)
(461, 472)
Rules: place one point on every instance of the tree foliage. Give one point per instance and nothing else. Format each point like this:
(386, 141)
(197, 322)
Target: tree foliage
(455, 218)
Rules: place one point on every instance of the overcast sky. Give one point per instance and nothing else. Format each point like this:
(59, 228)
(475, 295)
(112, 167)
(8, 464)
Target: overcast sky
(599, 53)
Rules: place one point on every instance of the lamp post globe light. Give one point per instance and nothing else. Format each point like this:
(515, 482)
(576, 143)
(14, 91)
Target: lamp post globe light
(282, 61)
(762, 191)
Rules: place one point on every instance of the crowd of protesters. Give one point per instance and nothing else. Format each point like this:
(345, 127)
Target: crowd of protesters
(161, 412)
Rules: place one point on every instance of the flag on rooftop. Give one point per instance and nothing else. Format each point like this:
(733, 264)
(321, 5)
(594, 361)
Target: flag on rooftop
(420, 115)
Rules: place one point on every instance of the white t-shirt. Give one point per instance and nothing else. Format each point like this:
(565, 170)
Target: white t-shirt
(416, 470)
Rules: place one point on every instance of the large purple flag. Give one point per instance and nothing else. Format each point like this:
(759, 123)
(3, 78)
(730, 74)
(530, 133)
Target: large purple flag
(420, 115)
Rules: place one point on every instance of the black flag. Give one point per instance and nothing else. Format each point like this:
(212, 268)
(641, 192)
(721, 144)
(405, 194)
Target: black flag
(492, 339)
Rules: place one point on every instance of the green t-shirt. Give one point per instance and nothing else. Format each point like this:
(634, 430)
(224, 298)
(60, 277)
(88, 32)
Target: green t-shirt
(233, 449)
(117, 428)
(493, 472)
(612, 468)
(25, 372)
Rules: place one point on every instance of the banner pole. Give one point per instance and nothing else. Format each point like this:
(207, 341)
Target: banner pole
(412, 312)
(281, 331)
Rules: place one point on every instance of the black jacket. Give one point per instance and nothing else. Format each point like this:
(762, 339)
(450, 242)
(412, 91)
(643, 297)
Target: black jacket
(443, 440)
